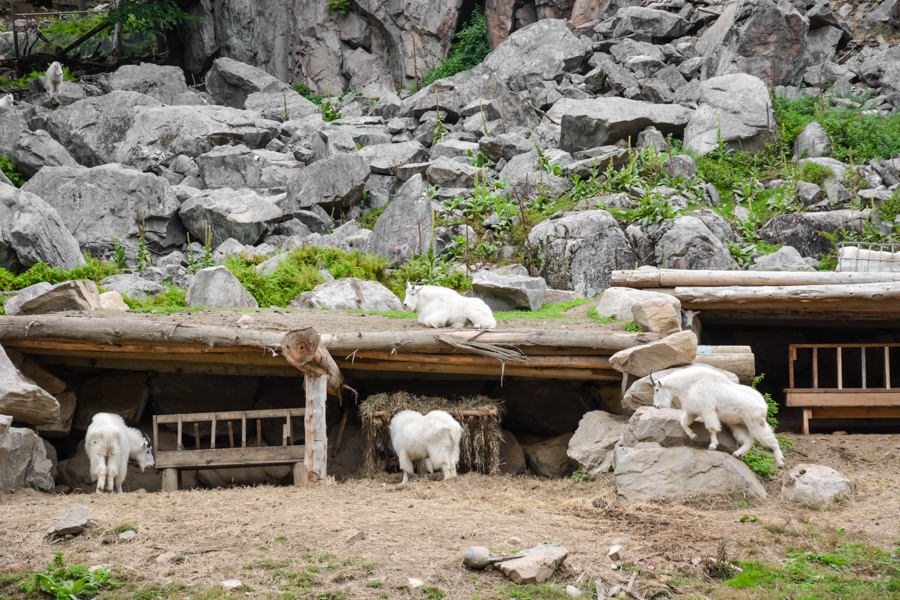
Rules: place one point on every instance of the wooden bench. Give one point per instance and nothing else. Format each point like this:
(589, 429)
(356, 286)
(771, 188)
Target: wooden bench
(856, 400)
(172, 461)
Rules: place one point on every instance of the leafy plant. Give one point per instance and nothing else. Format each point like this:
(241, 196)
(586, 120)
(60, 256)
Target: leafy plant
(438, 129)
(144, 259)
(26, 79)
(815, 173)
(742, 254)
(760, 460)
(148, 15)
(10, 170)
(653, 208)
(69, 582)
(330, 111)
(119, 254)
(94, 269)
(339, 7)
(468, 49)
(578, 475)
(307, 93)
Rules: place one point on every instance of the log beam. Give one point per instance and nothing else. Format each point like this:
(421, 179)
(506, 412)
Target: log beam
(669, 278)
(884, 297)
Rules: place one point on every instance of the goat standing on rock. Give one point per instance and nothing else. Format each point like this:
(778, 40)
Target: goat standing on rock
(54, 78)
(109, 444)
(703, 394)
(442, 307)
(428, 441)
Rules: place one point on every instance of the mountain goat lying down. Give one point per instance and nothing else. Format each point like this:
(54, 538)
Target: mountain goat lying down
(53, 78)
(109, 444)
(429, 441)
(442, 307)
(702, 393)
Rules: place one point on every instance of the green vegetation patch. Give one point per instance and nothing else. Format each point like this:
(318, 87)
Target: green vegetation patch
(69, 581)
(468, 49)
(10, 170)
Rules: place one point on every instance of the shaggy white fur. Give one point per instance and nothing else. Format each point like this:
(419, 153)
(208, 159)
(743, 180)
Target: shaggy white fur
(109, 444)
(428, 441)
(442, 307)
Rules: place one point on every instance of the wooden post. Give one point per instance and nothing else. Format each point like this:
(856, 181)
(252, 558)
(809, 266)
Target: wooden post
(840, 369)
(170, 480)
(316, 459)
(887, 367)
(807, 415)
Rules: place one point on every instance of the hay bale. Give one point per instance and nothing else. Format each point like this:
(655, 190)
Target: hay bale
(479, 416)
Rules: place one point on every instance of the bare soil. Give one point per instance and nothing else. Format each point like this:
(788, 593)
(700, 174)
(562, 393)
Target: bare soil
(365, 538)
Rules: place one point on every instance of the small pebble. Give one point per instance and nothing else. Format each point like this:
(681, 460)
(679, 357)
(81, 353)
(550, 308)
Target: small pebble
(572, 591)
(230, 584)
(477, 557)
(415, 583)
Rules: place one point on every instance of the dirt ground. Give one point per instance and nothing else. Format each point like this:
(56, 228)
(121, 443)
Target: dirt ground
(365, 538)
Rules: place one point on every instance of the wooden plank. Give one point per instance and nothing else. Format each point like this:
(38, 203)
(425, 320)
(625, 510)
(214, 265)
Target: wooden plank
(229, 457)
(268, 413)
(848, 345)
(844, 398)
(489, 370)
(299, 470)
(180, 446)
(160, 364)
(651, 278)
(574, 362)
(792, 358)
(244, 430)
(316, 457)
(815, 367)
(861, 295)
(212, 435)
(807, 415)
(863, 412)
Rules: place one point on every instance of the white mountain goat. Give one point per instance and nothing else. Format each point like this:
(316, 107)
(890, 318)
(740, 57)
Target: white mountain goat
(702, 393)
(428, 441)
(54, 78)
(442, 307)
(109, 444)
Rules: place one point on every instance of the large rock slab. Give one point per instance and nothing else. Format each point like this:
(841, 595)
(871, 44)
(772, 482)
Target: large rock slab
(42, 298)
(12, 126)
(652, 473)
(332, 183)
(657, 316)
(242, 215)
(23, 460)
(536, 565)
(73, 522)
(404, 228)
(133, 286)
(687, 242)
(90, 129)
(589, 123)
(159, 134)
(508, 291)
(216, 287)
(804, 230)
(36, 149)
(166, 83)
(280, 105)
(663, 426)
(658, 24)
(734, 109)
(348, 237)
(785, 258)
(229, 82)
(579, 250)
(240, 167)
(5, 423)
(549, 458)
(349, 293)
(21, 399)
(816, 485)
(619, 302)
(385, 159)
(676, 349)
(592, 443)
(113, 200)
(32, 230)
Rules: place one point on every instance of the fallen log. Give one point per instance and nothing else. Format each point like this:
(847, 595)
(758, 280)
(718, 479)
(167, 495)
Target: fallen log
(669, 278)
(882, 297)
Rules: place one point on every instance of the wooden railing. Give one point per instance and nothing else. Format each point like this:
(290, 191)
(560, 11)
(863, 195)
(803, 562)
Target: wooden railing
(855, 394)
(172, 460)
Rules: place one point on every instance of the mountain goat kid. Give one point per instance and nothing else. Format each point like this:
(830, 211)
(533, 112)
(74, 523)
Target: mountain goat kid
(430, 441)
(54, 78)
(109, 444)
(702, 393)
(442, 307)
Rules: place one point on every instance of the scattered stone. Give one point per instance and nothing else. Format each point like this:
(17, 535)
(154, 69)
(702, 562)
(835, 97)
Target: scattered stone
(615, 553)
(592, 443)
(415, 583)
(477, 557)
(230, 584)
(216, 287)
(734, 109)
(785, 258)
(403, 229)
(535, 565)
(22, 399)
(571, 590)
(23, 459)
(509, 292)
(619, 302)
(127, 535)
(133, 286)
(356, 536)
(514, 541)
(658, 316)
(663, 426)
(676, 349)
(73, 522)
(349, 293)
(816, 485)
(112, 301)
(166, 557)
(812, 142)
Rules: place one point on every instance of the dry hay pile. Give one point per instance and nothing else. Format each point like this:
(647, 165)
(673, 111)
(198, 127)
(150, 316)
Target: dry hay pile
(479, 416)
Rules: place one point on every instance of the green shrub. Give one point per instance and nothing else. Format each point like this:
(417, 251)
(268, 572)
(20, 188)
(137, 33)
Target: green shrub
(468, 49)
(9, 169)
(339, 7)
(69, 582)
(94, 269)
(890, 208)
(815, 173)
(307, 93)
(24, 80)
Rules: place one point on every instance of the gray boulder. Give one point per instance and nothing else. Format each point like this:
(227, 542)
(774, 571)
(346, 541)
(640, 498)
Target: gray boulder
(548, 458)
(12, 126)
(23, 461)
(525, 177)
(22, 399)
(91, 129)
(240, 167)
(504, 145)
(239, 214)
(747, 35)
(687, 243)
(579, 250)
(812, 142)
(816, 485)
(504, 291)
(160, 133)
(348, 237)
(31, 230)
(586, 124)
(542, 51)
(652, 473)
(332, 183)
(803, 230)
(164, 82)
(785, 258)
(592, 444)
(347, 293)
(883, 71)
(280, 105)
(112, 200)
(133, 286)
(663, 426)
(680, 165)
(658, 24)
(42, 298)
(73, 522)
(36, 149)
(734, 108)
(446, 172)
(675, 349)
(384, 159)
(657, 316)
(229, 82)
(535, 565)
(405, 226)
(619, 302)
(216, 287)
